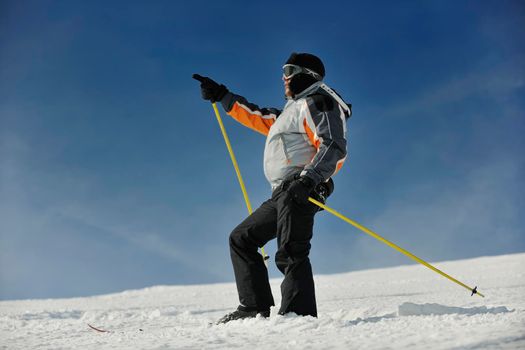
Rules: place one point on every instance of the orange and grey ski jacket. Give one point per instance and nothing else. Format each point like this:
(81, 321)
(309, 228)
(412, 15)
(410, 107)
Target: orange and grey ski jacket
(307, 136)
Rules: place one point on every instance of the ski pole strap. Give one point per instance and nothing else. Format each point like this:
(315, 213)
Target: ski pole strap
(393, 245)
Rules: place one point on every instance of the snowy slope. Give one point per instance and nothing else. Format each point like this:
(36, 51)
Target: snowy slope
(406, 307)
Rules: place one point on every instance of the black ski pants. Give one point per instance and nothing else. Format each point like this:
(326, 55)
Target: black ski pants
(292, 224)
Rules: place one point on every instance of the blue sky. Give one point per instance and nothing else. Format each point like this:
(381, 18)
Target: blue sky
(114, 174)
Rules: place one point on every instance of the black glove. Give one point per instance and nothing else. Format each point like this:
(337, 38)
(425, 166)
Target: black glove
(300, 189)
(210, 90)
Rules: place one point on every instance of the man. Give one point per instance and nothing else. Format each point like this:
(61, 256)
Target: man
(305, 147)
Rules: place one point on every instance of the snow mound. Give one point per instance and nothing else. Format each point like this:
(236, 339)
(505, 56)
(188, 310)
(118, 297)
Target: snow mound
(357, 310)
(411, 309)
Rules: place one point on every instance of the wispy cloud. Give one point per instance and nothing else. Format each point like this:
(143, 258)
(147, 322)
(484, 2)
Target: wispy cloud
(495, 81)
(477, 211)
(480, 211)
(40, 205)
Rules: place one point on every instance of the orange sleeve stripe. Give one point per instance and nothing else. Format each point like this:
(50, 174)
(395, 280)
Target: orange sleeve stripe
(339, 165)
(250, 119)
(311, 136)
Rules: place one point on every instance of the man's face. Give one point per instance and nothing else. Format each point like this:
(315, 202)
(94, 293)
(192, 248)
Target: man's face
(287, 91)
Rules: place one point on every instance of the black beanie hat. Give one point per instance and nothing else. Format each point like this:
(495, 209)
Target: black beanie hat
(307, 60)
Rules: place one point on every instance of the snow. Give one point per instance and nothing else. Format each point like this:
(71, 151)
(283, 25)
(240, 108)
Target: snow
(405, 307)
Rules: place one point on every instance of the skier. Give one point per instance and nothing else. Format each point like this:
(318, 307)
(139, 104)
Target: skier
(305, 147)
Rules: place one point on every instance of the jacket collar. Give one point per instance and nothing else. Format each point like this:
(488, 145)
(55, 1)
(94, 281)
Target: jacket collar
(306, 91)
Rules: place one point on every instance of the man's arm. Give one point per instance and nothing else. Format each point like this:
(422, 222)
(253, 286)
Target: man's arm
(246, 113)
(325, 125)
(249, 114)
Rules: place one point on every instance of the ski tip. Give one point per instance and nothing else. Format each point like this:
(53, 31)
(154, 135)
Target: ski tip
(97, 329)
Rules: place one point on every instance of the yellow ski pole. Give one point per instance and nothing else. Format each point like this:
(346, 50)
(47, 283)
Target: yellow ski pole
(237, 171)
(393, 245)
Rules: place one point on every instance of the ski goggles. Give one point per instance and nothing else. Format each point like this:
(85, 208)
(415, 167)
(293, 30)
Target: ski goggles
(290, 70)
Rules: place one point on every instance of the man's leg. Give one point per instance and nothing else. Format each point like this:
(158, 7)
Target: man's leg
(251, 275)
(294, 232)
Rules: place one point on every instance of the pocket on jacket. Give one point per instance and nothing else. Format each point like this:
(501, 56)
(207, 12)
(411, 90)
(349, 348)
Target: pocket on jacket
(284, 150)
